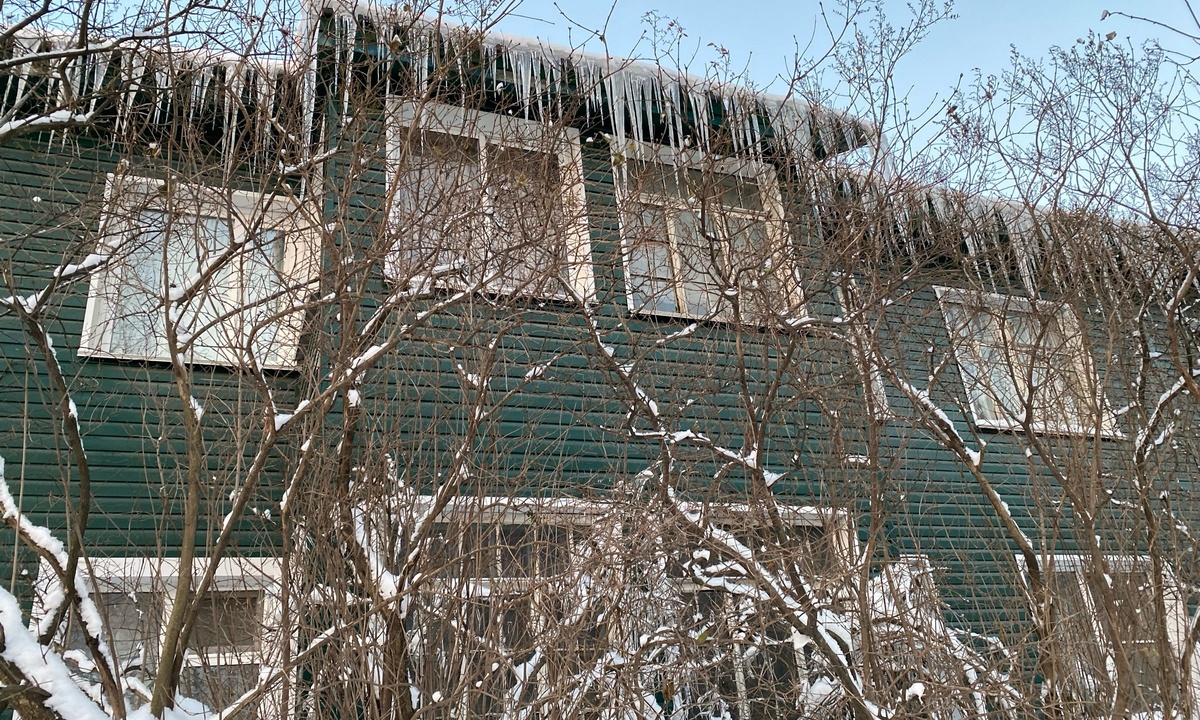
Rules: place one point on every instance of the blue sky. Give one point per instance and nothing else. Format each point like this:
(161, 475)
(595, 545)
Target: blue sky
(763, 35)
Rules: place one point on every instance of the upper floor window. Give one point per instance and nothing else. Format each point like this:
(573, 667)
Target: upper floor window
(229, 264)
(1024, 361)
(487, 202)
(703, 238)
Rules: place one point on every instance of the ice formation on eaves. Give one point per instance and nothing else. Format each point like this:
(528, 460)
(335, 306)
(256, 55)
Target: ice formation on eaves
(212, 85)
(625, 90)
(228, 83)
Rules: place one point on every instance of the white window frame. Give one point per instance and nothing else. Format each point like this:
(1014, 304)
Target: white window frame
(160, 576)
(488, 130)
(127, 196)
(492, 513)
(837, 524)
(959, 307)
(1177, 615)
(762, 175)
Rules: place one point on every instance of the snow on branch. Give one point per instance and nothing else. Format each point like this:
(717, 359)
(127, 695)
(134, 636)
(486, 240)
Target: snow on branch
(1157, 413)
(829, 630)
(54, 553)
(32, 303)
(942, 422)
(38, 668)
(50, 121)
(38, 537)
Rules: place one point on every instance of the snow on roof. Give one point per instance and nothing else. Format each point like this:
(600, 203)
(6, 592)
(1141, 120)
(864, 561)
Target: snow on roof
(626, 91)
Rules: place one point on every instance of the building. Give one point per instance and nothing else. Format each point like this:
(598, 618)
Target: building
(504, 380)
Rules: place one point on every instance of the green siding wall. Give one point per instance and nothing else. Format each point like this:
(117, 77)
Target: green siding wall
(51, 199)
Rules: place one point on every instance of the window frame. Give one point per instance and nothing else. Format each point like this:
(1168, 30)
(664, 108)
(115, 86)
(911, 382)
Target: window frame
(763, 176)
(132, 195)
(1075, 564)
(494, 513)
(239, 576)
(838, 523)
(837, 526)
(838, 529)
(506, 132)
(1002, 310)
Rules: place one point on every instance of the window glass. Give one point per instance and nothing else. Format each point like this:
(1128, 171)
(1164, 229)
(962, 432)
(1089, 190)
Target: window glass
(227, 622)
(161, 242)
(739, 664)
(484, 201)
(1136, 622)
(131, 621)
(1075, 637)
(699, 243)
(222, 659)
(1021, 358)
(438, 200)
(1088, 631)
(219, 686)
(490, 623)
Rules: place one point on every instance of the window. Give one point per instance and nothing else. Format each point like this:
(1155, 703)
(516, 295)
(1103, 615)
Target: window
(1087, 632)
(162, 235)
(486, 201)
(522, 611)
(742, 664)
(1024, 360)
(509, 619)
(704, 239)
(233, 634)
(745, 658)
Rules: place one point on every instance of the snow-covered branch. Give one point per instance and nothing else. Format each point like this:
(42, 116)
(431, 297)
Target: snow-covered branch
(56, 120)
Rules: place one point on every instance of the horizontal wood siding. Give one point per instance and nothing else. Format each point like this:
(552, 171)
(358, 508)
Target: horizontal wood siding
(51, 194)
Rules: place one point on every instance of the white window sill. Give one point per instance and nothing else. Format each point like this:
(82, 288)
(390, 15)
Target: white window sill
(95, 354)
(1014, 426)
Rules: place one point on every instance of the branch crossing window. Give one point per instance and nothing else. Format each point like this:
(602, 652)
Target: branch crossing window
(1024, 361)
(243, 253)
(701, 239)
(743, 664)
(505, 620)
(487, 201)
(743, 657)
(519, 612)
(233, 636)
(1088, 631)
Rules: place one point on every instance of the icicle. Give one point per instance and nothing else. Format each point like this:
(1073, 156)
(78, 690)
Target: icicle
(703, 111)
(529, 82)
(525, 81)
(637, 108)
(675, 111)
(733, 119)
(636, 98)
(541, 79)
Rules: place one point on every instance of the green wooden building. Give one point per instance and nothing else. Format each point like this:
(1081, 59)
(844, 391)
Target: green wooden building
(503, 376)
